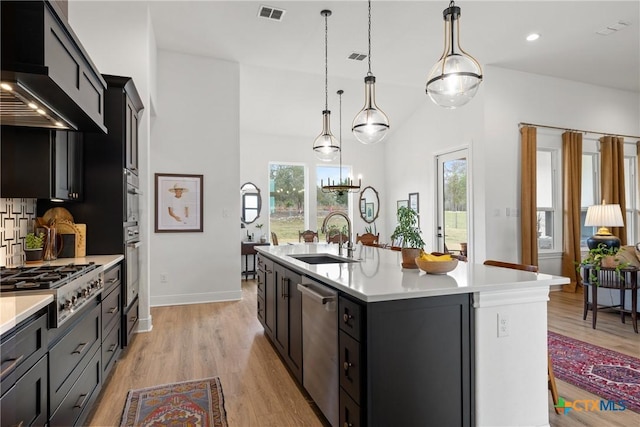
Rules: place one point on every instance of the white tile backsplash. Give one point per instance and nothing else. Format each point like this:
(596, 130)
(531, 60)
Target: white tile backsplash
(16, 220)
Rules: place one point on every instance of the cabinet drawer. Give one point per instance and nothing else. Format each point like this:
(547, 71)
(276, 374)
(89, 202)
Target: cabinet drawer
(22, 350)
(83, 391)
(130, 321)
(350, 413)
(70, 350)
(111, 310)
(350, 366)
(111, 347)
(350, 317)
(112, 278)
(25, 404)
(260, 284)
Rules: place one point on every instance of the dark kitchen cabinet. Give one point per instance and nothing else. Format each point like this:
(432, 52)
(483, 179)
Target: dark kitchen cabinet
(41, 163)
(266, 294)
(24, 392)
(131, 135)
(287, 335)
(111, 318)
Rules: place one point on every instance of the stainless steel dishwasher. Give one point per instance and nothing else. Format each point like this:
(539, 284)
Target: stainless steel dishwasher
(320, 346)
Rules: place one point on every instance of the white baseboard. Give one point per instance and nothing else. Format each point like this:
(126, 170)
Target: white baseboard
(182, 299)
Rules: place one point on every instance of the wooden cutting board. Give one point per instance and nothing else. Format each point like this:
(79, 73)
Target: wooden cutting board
(80, 232)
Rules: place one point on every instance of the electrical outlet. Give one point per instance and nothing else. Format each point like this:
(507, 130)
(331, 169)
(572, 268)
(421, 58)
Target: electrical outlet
(163, 277)
(503, 325)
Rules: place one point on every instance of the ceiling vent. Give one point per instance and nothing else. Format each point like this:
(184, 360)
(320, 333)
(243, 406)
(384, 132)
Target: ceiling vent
(271, 13)
(357, 56)
(610, 29)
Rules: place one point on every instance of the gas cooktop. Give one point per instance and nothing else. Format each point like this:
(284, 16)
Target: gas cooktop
(41, 277)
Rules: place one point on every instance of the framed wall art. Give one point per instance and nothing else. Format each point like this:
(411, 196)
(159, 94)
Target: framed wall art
(369, 212)
(178, 206)
(413, 202)
(404, 203)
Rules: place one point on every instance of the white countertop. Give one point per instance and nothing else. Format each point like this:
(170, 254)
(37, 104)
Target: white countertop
(16, 308)
(378, 275)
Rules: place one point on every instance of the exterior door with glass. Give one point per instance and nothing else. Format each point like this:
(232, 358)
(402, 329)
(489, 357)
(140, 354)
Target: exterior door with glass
(452, 200)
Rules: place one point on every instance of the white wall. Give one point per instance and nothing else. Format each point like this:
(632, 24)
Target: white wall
(119, 38)
(196, 131)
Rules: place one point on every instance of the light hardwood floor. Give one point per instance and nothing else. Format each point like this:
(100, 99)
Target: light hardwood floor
(226, 340)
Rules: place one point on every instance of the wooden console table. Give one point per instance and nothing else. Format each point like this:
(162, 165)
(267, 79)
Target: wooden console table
(248, 249)
(610, 279)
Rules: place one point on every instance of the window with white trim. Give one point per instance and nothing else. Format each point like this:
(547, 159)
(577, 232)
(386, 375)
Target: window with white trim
(548, 200)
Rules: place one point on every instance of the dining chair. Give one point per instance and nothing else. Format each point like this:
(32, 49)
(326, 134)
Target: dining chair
(551, 379)
(307, 236)
(274, 239)
(368, 239)
(335, 238)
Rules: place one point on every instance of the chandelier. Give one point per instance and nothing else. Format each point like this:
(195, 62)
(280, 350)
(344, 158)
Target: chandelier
(346, 185)
(325, 145)
(455, 78)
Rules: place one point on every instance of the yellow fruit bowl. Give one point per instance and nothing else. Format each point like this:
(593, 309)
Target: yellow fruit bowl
(436, 267)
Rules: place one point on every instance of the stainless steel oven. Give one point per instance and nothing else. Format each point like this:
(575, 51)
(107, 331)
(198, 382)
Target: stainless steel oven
(132, 198)
(132, 263)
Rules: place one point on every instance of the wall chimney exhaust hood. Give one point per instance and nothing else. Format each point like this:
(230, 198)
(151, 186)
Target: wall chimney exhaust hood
(47, 78)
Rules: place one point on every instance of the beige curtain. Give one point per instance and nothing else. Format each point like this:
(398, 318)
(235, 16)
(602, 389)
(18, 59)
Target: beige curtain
(572, 189)
(528, 193)
(612, 178)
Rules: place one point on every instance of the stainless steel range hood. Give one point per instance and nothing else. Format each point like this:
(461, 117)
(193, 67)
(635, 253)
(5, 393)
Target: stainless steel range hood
(47, 78)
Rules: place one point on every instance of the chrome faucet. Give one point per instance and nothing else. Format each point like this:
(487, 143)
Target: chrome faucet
(349, 244)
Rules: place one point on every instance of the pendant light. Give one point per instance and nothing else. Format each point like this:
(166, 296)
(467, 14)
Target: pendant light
(325, 145)
(347, 185)
(371, 124)
(455, 78)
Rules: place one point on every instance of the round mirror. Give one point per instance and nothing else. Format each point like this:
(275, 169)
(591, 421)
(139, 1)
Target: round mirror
(251, 202)
(369, 204)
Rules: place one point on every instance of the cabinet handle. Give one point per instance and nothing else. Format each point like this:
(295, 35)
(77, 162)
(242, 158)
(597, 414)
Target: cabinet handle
(112, 348)
(13, 363)
(133, 319)
(81, 401)
(113, 310)
(285, 282)
(80, 348)
(114, 280)
(346, 317)
(346, 366)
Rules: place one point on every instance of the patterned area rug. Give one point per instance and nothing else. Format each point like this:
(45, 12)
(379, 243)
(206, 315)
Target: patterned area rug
(606, 373)
(187, 404)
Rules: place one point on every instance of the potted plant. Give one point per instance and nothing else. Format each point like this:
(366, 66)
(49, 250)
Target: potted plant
(408, 233)
(602, 257)
(33, 247)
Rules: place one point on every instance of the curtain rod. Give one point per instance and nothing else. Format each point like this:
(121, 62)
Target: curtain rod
(576, 130)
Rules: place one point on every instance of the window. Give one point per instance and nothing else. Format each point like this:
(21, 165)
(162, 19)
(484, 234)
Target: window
(547, 200)
(589, 195)
(286, 201)
(631, 198)
(329, 202)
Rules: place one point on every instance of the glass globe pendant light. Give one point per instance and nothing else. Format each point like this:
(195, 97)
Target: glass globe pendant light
(371, 124)
(326, 145)
(455, 78)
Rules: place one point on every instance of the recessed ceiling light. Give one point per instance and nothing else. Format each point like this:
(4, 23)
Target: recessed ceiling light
(533, 36)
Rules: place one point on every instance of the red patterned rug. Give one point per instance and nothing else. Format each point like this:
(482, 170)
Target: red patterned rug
(606, 373)
(188, 404)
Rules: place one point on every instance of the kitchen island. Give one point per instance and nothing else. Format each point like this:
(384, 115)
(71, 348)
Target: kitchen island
(465, 348)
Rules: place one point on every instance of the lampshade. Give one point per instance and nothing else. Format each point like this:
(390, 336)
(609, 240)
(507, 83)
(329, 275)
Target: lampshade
(455, 78)
(604, 216)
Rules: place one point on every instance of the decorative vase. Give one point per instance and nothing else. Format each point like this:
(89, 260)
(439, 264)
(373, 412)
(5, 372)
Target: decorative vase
(33, 255)
(263, 239)
(409, 256)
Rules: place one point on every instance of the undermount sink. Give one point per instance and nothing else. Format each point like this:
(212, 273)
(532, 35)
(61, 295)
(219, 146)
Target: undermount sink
(322, 259)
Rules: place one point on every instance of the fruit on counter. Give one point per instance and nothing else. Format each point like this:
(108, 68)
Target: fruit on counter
(438, 258)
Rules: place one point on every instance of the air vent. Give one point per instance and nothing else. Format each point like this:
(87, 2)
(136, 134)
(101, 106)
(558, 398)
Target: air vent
(357, 56)
(272, 13)
(610, 29)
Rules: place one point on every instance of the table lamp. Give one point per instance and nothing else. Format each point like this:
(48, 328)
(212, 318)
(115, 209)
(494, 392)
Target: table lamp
(604, 216)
